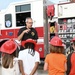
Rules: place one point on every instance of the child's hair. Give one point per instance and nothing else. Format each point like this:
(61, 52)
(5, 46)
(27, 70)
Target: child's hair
(56, 49)
(31, 48)
(7, 60)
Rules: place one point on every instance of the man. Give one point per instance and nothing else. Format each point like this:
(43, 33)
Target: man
(27, 31)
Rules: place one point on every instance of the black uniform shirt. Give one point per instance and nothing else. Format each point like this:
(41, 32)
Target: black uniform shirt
(31, 34)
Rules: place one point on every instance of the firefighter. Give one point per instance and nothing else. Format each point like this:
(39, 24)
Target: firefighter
(10, 65)
(71, 60)
(55, 62)
(30, 57)
(27, 31)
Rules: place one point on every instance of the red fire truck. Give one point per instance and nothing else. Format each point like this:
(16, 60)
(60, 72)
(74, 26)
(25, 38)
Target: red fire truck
(49, 20)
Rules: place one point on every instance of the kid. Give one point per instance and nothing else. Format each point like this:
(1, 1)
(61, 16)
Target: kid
(10, 64)
(55, 62)
(30, 57)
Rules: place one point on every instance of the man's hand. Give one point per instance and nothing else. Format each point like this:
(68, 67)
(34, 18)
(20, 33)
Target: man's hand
(26, 31)
(21, 35)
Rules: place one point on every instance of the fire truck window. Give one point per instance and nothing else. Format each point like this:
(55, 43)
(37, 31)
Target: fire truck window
(21, 8)
(8, 20)
(20, 18)
(25, 7)
(17, 8)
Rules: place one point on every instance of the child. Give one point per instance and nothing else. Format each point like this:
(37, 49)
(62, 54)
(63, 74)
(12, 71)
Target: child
(71, 61)
(10, 64)
(30, 57)
(55, 62)
(1, 42)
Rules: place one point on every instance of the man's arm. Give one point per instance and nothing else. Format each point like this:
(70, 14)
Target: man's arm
(35, 68)
(21, 35)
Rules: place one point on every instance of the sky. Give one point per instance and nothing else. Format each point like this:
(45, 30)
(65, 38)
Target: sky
(4, 3)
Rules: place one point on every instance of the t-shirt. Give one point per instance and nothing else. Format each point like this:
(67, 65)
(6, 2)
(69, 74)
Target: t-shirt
(12, 71)
(29, 60)
(31, 34)
(56, 63)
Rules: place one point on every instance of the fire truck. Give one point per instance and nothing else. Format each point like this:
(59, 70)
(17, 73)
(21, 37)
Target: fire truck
(49, 20)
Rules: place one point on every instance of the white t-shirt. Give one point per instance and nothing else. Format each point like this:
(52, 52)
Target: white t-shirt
(29, 60)
(12, 71)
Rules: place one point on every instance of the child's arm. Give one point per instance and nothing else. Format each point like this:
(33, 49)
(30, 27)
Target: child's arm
(35, 68)
(21, 67)
(45, 66)
(66, 66)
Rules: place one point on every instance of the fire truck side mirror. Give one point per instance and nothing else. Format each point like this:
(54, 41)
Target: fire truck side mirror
(50, 10)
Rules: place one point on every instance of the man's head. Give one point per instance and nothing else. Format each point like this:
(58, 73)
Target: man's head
(29, 22)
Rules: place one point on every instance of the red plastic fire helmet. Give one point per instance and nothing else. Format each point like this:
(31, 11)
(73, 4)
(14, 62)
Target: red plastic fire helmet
(8, 47)
(28, 41)
(56, 41)
(73, 40)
